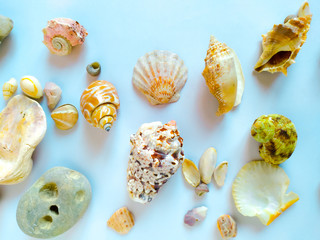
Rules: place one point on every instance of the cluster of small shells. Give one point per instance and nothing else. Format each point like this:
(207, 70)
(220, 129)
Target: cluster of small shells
(199, 178)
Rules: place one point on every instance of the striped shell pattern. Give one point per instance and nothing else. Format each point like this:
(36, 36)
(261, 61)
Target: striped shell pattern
(99, 104)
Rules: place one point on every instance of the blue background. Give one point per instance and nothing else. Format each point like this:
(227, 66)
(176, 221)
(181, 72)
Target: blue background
(119, 33)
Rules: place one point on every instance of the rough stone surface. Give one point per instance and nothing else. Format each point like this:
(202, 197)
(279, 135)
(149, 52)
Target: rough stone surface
(54, 203)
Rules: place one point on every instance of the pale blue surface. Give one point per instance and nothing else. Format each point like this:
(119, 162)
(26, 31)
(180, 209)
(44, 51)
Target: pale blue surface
(119, 33)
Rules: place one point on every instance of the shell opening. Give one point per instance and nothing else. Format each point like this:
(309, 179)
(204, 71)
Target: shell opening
(278, 59)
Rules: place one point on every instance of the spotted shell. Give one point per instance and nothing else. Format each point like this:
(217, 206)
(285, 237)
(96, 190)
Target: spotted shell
(65, 116)
(121, 221)
(61, 34)
(160, 76)
(223, 75)
(99, 104)
(282, 44)
(278, 137)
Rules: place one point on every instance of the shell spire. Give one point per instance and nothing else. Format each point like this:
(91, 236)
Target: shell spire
(223, 75)
(62, 34)
(282, 44)
(99, 104)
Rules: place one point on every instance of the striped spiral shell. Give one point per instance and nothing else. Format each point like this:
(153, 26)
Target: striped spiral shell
(99, 104)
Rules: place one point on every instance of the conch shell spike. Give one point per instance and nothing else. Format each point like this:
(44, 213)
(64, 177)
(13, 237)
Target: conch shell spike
(282, 44)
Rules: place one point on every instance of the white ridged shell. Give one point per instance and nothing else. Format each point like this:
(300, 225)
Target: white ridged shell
(9, 88)
(160, 75)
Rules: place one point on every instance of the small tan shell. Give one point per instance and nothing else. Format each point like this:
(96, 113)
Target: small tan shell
(223, 75)
(227, 227)
(282, 44)
(160, 76)
(65, 116)
(121, 221)
(53, 93)
(31, 87)
(190, 172)
(207, 164)
(9, 88)
(220, 173)
(201, 189)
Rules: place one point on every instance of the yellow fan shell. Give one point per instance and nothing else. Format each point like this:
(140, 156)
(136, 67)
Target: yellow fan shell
(282, 44)
(22, 127)
(223, 75)
(160, 76)
(260, 189)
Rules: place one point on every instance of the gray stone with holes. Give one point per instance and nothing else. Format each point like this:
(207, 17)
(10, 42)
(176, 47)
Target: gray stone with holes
(54, 203)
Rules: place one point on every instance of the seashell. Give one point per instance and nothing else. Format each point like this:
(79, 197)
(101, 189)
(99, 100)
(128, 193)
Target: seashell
(53, 93)
(227, 227)
(160, 76)
(201, 189)
(259, 190)
(9, 88)
(277, 135)
(99, 104)
(156, 154)
(6, 25)
(223, 75)
(220, 173)
(207, 164)
(94, 69)
(61, 34)
(195, 215)
(121, 221)
(31, 87)
(190, 172)
(22, 127)
(281, 45)
(65, 116)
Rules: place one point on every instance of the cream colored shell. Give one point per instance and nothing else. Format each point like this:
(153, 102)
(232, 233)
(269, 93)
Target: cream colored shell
(190, 172)
(260, 189)
(207, 164)
(9, 88)
(223, 75)
(282, 44)
(65, 116)
(22, 127)
(160, 76)
(31, 87)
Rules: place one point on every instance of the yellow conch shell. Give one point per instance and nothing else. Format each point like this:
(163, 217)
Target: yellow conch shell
(223, 75)
(22, 127)
(99, 104)
(282, 44)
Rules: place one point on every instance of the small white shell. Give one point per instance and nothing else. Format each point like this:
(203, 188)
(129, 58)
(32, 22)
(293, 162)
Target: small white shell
(9, 88)
(207, 164)
(160, 76)
(220, 173)
(195, 215)
(53, 93)
(31, 87)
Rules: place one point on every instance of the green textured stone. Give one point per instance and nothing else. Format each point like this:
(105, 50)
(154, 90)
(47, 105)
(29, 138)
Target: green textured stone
(54, 203)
